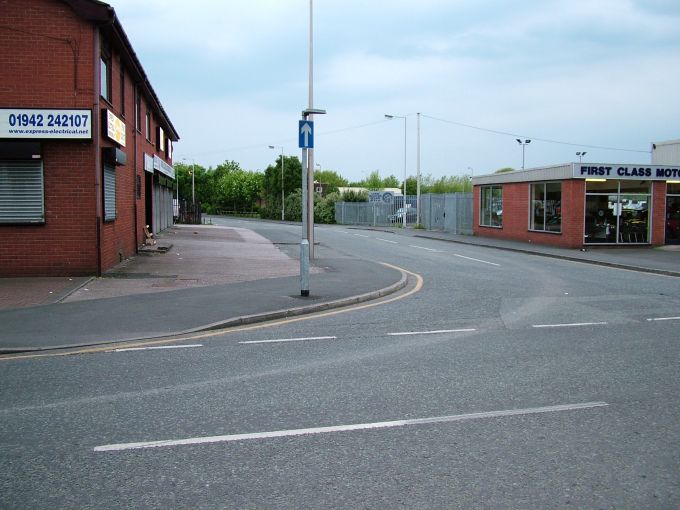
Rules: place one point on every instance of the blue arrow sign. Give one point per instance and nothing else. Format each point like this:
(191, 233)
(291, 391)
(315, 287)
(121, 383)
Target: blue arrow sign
(306, 134)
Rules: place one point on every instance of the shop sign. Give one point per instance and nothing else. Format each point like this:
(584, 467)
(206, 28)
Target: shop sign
(163, 167)
(40, 123)
(626, 172)
(115, 128)
(148, 163)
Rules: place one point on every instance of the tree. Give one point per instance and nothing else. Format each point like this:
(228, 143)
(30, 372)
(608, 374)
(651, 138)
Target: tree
(412, 186)
(391, 182)
(239, 190)
(271, 185)
(354, 196)
(332, 179)
(504, 170)
(375, 182)
(183, 173)
(324, 208)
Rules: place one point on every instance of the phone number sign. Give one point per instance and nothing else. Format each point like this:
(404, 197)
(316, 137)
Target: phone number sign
(54, 124)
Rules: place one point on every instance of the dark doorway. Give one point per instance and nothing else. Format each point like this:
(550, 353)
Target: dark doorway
(148, 200)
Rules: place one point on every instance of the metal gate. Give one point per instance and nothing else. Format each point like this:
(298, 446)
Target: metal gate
(451, 212)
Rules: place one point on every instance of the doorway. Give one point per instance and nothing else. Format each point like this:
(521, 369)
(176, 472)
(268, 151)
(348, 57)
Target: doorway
(673, 214)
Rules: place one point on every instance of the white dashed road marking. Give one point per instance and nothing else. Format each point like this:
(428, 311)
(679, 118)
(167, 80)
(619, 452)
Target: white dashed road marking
(283, 340)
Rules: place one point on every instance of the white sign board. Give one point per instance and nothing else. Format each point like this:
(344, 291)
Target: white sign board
(632, 172)
(115, 128)
(39, 123)
(380, 197)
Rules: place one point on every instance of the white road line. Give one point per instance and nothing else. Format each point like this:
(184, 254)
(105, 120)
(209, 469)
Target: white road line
(476, 260)
(423, 248)
(282, 340)
(386, 240)
(360, 235)
(569, 325)
(406, 333)
(347, 428)
(158, 347)
(665, 319)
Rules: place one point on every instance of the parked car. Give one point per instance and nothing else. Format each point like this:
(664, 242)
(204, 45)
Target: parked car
(411, 215)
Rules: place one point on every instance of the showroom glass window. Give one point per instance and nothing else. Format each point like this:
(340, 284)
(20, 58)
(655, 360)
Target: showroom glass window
(491, 206)
(673, 213)
(617, 212)
(546, 207)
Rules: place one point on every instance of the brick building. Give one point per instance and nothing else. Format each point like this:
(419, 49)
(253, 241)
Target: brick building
(85, 144)
(581, 204)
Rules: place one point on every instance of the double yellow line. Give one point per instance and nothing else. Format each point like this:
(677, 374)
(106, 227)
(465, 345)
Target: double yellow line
(165, 341)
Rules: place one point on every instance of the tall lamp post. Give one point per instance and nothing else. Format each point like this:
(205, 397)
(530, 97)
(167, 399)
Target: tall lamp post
(193, 186)
(580, 156)
(418, 174)
(402, 117)
(283, 199)
(310, 109)
(523, 144)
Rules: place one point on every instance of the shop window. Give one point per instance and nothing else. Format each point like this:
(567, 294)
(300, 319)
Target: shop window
(109, 193)
(617, 212)
(491, 206)
(673, 213)
(546, 207)
(105, 72)
(21, 192)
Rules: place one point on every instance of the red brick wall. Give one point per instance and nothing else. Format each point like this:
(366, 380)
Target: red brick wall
(516, 221)
(46, 57)
(659, 213)
(516, 216)
(49, 59)
(118, 237)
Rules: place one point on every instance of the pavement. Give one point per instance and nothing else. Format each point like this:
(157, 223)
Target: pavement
(200, 277)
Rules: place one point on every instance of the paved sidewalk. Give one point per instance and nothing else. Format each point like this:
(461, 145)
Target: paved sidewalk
(219, 276)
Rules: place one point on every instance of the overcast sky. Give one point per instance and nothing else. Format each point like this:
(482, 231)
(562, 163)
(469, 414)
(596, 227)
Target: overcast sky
(591, 74)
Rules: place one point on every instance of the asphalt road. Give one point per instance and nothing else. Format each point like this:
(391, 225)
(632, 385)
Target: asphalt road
(506, 381)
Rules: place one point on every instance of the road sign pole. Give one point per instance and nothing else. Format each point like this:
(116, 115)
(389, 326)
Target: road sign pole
(304, 244)
(306, 142)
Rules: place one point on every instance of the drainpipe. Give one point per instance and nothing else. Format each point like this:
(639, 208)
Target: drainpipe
(96, 134)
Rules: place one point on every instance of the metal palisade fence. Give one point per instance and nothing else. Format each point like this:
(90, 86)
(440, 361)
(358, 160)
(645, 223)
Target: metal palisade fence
(450, 212)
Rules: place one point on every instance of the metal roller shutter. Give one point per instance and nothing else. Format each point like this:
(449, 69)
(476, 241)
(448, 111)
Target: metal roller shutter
(109, 193)
(21, 192)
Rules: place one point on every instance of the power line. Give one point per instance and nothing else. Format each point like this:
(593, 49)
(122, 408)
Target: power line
(546, 140)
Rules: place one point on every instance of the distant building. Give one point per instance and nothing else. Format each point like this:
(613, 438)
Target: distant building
(666, 153)
(576, 205)
(85, 144)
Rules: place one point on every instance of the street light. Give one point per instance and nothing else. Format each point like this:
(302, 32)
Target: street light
(418, 173)
(523, 144)
(193, 187)
(283, 200)
(580, 155)
(472, 174)
(402, 117)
